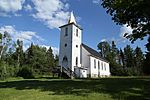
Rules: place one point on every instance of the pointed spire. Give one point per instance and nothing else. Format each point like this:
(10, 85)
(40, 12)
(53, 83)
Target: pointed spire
(72, 18)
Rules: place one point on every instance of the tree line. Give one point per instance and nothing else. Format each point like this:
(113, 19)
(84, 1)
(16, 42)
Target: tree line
(37, 60)
(134, 14)
(126, 61)
(14, 61)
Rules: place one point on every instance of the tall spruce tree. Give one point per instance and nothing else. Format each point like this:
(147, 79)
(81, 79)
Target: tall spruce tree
(50, 58)
(139, 61)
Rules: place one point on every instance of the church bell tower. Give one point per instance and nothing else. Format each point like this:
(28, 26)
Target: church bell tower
(70, 44)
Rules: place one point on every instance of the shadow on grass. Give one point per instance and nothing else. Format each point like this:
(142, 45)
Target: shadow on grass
(118, 88)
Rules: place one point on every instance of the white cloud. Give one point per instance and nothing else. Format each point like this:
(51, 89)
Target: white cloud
(103, 40)
(28, 7)
(52, 12)
(10, 6)
(26, 36)
(55, 50)
(125, 29)
(78, 19)
(96, 1)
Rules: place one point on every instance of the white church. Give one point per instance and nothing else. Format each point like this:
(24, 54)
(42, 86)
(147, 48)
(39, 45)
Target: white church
(77, 59)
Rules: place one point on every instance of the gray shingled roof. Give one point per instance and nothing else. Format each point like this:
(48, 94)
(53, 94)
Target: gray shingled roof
(94, 52)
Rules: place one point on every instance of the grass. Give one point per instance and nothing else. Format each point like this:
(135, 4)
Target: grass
(122, 88)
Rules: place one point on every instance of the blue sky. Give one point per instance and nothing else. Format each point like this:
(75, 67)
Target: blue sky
(37, 21)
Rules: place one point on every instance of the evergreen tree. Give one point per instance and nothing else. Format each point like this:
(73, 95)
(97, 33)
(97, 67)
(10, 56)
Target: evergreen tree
(129, 61)
(56, 60)
(37, 59)
(138, 58)
(128, 56)
(50, 57)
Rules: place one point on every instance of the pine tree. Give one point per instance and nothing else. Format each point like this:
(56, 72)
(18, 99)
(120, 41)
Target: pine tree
(50, 58)
(129, 60)
(56, 60)
(139, 59)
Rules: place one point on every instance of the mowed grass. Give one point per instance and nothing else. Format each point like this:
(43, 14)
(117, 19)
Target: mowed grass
(78, 89)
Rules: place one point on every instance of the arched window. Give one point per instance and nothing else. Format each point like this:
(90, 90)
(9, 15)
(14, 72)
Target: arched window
(65, 58)
(65, 62)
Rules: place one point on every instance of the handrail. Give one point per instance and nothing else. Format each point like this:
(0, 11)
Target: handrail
(72, 72)
(69, 72)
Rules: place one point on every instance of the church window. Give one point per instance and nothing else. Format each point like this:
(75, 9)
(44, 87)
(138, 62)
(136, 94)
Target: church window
(65, 58)
(76, 61)
(98, 65)
(77, 32)
(76, 46)
(65, 45)
(66, 31)
(94, 63)
(105, 66)
(102, 65)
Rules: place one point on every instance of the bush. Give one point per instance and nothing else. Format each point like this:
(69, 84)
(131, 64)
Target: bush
(25, 72)
(3, 70)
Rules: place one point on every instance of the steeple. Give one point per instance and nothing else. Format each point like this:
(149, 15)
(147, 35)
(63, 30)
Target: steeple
(72, 19)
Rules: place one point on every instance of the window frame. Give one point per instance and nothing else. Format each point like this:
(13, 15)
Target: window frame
(66, 31)
(102, 65)
(95, 63)
(77, 32)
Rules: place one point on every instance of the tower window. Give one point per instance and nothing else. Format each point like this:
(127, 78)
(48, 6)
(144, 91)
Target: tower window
(76, 61)
(65, 45)
(66, 31)
(76, 46)
(65, 58)
(76, 32)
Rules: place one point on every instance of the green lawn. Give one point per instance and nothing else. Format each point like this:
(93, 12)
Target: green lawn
(77, 89)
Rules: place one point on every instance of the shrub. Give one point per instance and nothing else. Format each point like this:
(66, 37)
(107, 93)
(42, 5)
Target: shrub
(3, 70)
(25, 72)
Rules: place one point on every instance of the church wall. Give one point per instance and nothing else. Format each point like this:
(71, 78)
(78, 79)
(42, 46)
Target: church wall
(93, 70)
(98, 71)
(85, 59)
(105, 71)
